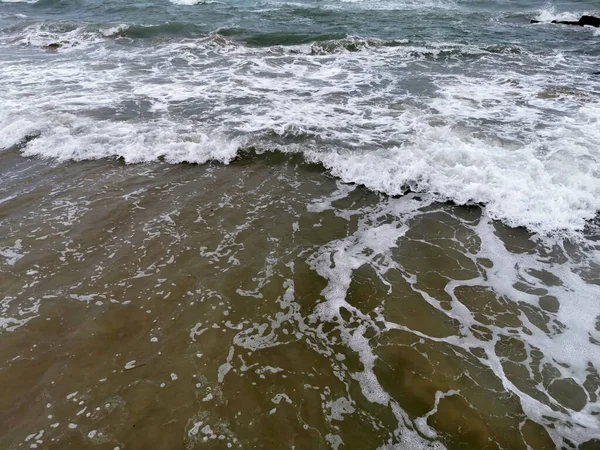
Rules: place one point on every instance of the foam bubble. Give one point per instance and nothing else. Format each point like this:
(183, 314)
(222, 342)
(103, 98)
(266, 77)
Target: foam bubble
(13, 253)
(130, 365)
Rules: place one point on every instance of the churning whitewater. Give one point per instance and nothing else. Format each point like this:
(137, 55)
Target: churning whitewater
(506, 124)
(311, 224)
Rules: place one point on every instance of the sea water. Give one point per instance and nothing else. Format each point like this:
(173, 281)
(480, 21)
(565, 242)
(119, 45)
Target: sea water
(312, 224)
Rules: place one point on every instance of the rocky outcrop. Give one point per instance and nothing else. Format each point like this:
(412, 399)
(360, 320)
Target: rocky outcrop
(584, 20)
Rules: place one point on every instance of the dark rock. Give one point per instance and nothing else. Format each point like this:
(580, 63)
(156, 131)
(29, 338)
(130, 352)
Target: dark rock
(590, 20)
(583, 20)
(566, 22)
(57, 45)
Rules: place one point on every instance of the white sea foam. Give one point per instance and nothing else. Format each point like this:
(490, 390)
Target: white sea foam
(550, 14)
(524, 146)
(194, 2)
(568, 344)
(114, 30)
(13, 253)
(391, 5)
(173, 142)
(566, 339)
(42, 35)
(14, 313)
(385, 5)
(186, 2)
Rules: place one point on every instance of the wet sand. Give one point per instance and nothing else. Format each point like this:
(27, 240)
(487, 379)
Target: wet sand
(263, 304)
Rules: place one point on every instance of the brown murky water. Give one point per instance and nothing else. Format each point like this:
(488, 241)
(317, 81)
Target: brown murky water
(263, 304)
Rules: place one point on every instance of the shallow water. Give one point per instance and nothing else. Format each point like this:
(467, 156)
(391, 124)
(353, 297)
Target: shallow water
(264, 304)
(338, 224)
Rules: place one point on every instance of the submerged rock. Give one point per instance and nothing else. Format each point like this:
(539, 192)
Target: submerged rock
(57, 45)
(554, 92)
(583, 20)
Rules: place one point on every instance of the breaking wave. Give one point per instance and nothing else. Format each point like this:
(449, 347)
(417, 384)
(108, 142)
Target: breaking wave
(362, 107)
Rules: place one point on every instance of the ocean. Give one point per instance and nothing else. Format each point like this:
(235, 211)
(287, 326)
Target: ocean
(341, 224)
